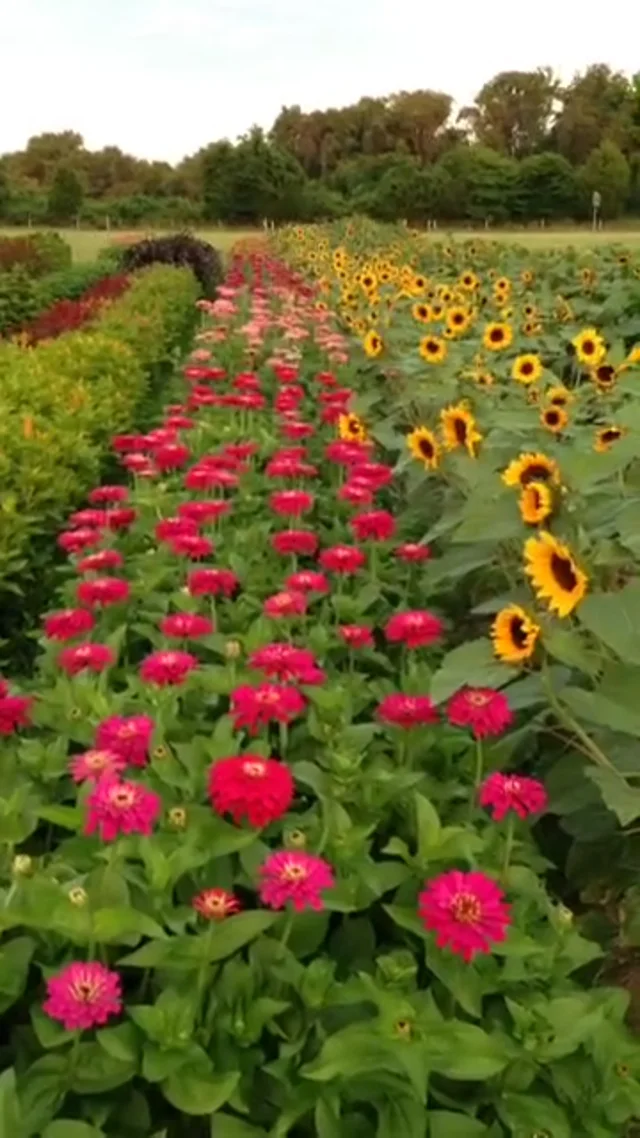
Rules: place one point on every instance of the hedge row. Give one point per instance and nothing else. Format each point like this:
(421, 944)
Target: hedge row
(36, 253)
(61, 402)
(23, 298)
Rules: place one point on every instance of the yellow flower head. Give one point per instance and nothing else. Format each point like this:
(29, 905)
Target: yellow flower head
(514, 634)
(554, 574)
(459, 429)
(424, 447)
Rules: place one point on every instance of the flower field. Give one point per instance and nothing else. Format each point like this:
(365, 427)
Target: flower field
(317, 811)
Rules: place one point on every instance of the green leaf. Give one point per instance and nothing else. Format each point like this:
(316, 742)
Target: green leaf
(237, 931)
(112, 924)
(70, 1128)
(120, 1042)
(472, 664)
(569, 647)
(10, 1125)
(459, 978)
(49, 1032)
(400, 1115)
(188, 952)
(96, 1071)
(67, 817)
(41, 1090)
(195, 1092)
(617, 794)
(463, 1051)
(529, 1114)
(15, 961)
(615, 619)
(446, 1124)
(596, 708)
(226, 1126)
(428, 826)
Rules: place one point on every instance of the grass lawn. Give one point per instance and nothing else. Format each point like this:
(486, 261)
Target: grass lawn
(86, 243)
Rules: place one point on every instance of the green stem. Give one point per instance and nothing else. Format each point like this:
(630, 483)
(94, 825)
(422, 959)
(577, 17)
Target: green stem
(203, 972)
(477, 778)
(287, 930)
(73, 1058)
(508, 848)
(565, 717)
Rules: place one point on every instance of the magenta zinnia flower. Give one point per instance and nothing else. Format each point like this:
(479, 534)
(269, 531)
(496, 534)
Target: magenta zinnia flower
(117, 807)
(212, 582)
(342, 559)
(83, 996)
(68, 623)
(375, 525)
(297, 877)
(86, 658)
(483, 710)
(286, 603)
(407, 711)
(103, 591)
(254, 708)
(286, 663)
(416, 629)
(413, 551)
(184, 625)
(95, 764)
(14, 711)
(356, 635)
(129, 737)
(504, 792)
(216, 904)
(466, 910)
(165, 668)
(252, 787)
(307, 581)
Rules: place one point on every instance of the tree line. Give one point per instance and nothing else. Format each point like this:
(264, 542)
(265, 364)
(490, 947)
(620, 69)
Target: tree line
(528, 150)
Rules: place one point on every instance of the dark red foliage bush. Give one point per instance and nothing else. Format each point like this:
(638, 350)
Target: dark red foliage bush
(69, 315)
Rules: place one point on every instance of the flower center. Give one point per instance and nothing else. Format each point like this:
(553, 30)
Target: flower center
(518, 632)
(122, 797)
(97, 760)
(563, 572)
(478, 698)
(466, 908)
(294, 872)
(425, 446)
(512, 785)
(460, 430)
(254, 769)
(85, 991)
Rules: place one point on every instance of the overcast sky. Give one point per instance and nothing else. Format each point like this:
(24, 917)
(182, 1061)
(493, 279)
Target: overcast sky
(160, 78)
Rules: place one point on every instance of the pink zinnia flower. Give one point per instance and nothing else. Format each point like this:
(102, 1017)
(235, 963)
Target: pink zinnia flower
(206, 477)
(216, 904)
(466, 910)
(117, 807)
(374, 474)
(413, 551)
(407, 710)
(356, 635)
(212, 582)
(356, 495)
(285, 604)
(308, 581)
(73, 541)
(505, 792)
(95, 764)
(292, 541)
(167, 667)
(252, 787)
(128, 736)
(207, 510)
(191, 545)
(86, 658)
(375, 525)
(68, 623)
(286, 663)
(120, 518)
(91, 517)
(14, 711)
(291, 503)
(170, 528)
(416, 629)
(103, 591)
(185, 625)
(297, 877)
(97, 562)
(83, 995)
(483, 710)
(342, 559)
(255, 707)
(108, 495)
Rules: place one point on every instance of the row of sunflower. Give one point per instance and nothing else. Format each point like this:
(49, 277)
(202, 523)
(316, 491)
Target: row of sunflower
(507, 384)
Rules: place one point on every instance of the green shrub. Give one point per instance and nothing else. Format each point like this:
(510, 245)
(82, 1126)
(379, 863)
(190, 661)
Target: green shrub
(37, 253)
(18, 300)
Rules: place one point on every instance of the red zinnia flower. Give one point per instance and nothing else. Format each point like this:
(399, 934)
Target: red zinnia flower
(86, 658)
(191, 545)
(286, 663)
(307, 581)
(292, 541)
(252, 787)
(355, 494)
(285, 604)
(291, 503)
(68, 623)
(14, 711)
(407, 710)
(255, 707)
(374, 474)
(413, 551)
(103, 591)
(117, 807)
(96, 562)
(129, 737)
(73, 541)
(297, 430)
(186, 624)
(92, 518)
(83, 995)
(205, 477)
(120, 518)
(139, 464)
(466, 910)
(212, 582)
(216, 904)
(356, 635)
(505, 792)
(375, 525)
(95, 764)
(207, 510)
(416, 629)
(171, 456)
(166, 668)
(342, 559)
(291, 875)
(170, 528)
(107, 495)
(483, 710)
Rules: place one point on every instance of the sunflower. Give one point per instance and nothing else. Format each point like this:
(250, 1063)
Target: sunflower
(458, 319)
(588, 277)
(445, 294)
(606, 437)
(421, 313)
(590, 347)
(484, 378)
(554, 574)
(605, 376)
(536, 503)
(527, 277)
(459, 428)
(529, 311)
(528, 468)
(559, 396)
(634, 355)
(531, 328)
(419, 283)
(368, 281)
(554, 419)
(503, 284)
(527, 369)
(496, 337)
(437, 312)
(469, 281)
(424, 446)
(352, 429)
(433, 349)
(514, 634)
(373, 344)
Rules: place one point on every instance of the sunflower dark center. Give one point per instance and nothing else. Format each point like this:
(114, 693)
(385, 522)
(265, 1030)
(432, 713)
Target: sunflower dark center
(518, 632)
(563, 572)
(460, 429)
(553, 418)
(535, 472)
(588, 347)
(425, 446)
(610, 435)
(496, 335)
(605, 373)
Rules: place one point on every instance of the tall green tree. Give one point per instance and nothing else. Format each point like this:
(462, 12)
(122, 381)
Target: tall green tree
(65, 196)
(598, 104)
(548, 187)
(608, 172)
(513, 111)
